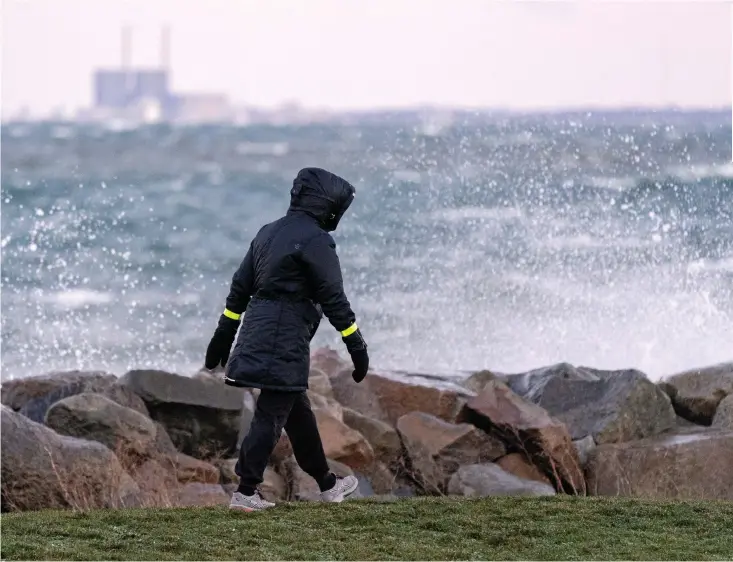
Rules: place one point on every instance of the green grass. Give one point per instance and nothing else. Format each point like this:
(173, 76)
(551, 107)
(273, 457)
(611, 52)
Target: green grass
(559, 528)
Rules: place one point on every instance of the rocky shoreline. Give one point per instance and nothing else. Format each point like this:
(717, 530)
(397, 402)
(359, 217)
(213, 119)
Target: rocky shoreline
(83, 440)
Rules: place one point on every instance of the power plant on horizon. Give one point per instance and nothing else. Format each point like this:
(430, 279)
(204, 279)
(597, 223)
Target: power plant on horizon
(144, 93)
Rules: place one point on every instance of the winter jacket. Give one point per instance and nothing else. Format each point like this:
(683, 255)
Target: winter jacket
(290, 274)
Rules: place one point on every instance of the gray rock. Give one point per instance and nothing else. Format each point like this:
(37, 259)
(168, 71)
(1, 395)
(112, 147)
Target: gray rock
(531, 385)
(203, 418)
(724, 415)
(42, 469)
(696, 393)
(17, 392)
(618, 406)
(95, 417)
(382, 437)
(481, 480)
(584, 447)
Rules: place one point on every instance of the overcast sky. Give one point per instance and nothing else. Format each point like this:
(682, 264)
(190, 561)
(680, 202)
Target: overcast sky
(370, 53)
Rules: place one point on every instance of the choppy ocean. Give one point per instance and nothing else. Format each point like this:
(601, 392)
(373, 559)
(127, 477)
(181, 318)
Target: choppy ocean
(474, 241)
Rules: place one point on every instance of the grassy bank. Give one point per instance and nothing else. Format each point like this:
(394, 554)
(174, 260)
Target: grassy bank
(431, 528)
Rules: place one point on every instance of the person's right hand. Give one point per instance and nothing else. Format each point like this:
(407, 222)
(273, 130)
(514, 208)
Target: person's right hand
(357, 348)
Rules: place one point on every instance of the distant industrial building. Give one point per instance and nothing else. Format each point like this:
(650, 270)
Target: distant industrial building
(144, 94)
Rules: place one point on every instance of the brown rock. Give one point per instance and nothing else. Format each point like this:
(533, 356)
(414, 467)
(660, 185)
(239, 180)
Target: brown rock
(518, 465)
(381, 478)
(526, 427)
(189, 469)
(328, 405)
(158, 485)
(724, 414)
(696, 393)
(693, 465)
(227, 475)
(381, 436)
(436, 448)
(489, 479)
(328, 361)
(273, 487)
(196, 494)
(128, 433)
(301, 486)
(342, 443)
(283, 449)
(42, 469)
(319, 382)
(387, 398)
(17, 392)
(477, 381)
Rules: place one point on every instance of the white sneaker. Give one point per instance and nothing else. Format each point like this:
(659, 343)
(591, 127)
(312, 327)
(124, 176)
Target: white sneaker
(249, 503)
(343, 488)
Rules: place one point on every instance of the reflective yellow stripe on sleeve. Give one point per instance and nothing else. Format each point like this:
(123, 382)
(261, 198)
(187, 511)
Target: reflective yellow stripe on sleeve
(233, 315)
(350, 330)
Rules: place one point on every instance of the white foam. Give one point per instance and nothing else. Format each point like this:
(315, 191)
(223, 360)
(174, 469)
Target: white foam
(700, 172)
(612, 183)
(467, 213)
(263, 148)
(78, 298)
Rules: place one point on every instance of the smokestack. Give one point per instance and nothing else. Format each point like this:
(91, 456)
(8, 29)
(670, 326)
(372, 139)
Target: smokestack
(126, 48)
(165, 48)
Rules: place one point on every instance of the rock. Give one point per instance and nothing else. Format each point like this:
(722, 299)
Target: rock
(273, 487)
(196, 494)
(388, 398)
(724, 415)
(189, 469)
(164, 447)
(248, 413)
(696, 393)
(17, 392)
(34, 396)
(531, 385)
(158, 485)
(42, 469)
(524, 426)
(283, 449)
(203, 419)
(584, 447)
(227, 474)
(328, 405)
(381, 478)
(618, 406)
(481, 480)
(381, 436)
(302, 487)
(477, 381)
(436, 448)
(319, 382)
(328, 361)
(518, 465)
(129, 434)
(691, 465)
(342, 443)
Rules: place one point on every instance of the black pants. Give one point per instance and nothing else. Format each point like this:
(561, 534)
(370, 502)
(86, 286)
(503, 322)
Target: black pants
(275, 410)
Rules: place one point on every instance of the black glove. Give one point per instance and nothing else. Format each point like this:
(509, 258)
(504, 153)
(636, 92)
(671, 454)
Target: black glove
(221, 343)
(357, 348)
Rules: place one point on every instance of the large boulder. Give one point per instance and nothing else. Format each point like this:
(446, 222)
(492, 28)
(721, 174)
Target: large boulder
(436, 448)
(617, 406)
(381, 436)
(531, 385)
(33, 396)
(692, 465)
(329, 405)
(203, 418)
(696, 393)
(128, 433)
(724, 415)
(481, 480)
(17, 392)
(387, 398)
(188, 469)
(524, 426)
(42, 469)
(343, 444)
(196, 494)
(320, 383)
(157, 483)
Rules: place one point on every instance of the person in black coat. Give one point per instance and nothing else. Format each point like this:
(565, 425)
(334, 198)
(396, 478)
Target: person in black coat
(289, 278)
